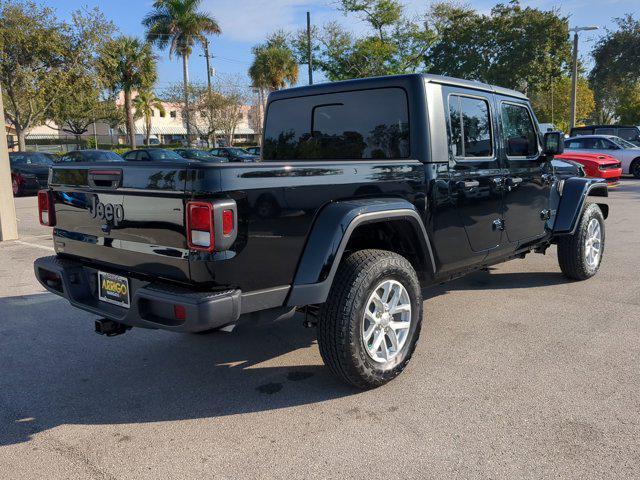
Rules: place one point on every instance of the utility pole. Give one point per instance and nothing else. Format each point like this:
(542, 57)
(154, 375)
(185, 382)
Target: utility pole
(209, 98)
(8, 222)
(206, 56)
(574, 73)
(309, 59)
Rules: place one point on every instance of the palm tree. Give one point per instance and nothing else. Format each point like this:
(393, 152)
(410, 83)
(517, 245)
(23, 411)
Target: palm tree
(145, 103)
(274, 65)
(127, 64)
(179, 24)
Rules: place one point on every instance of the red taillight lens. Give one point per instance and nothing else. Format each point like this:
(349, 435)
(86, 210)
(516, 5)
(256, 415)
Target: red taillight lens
(200, 232)
(46, 213)
(179, 312)
(201, 217)
(227, 222)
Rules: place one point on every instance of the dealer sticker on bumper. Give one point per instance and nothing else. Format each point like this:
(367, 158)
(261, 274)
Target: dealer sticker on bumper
(113, 289)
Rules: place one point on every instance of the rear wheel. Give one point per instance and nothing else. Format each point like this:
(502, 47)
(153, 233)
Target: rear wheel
(369, 326)
(580, 254)
(16, 187)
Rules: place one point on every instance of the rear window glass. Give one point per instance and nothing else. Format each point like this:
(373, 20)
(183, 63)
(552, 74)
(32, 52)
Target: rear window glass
(582, 131)
(366, 124)
(470, 127)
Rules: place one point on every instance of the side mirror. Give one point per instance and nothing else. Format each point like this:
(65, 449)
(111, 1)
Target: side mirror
(553, 143)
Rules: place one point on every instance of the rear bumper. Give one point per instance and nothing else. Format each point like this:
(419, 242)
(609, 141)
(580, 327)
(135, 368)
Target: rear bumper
(152, 304)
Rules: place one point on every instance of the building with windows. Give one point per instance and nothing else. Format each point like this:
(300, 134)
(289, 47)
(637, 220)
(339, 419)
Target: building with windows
(167, 127)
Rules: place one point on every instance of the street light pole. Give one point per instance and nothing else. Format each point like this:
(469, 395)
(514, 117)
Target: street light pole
(574, 70)
(8, 222)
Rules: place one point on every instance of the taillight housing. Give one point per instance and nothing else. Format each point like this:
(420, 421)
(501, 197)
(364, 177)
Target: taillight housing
(46, 211)
(211, 226)
(200, 228)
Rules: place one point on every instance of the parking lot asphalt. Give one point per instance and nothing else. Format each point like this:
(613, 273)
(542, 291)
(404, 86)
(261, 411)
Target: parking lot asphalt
(519, 373)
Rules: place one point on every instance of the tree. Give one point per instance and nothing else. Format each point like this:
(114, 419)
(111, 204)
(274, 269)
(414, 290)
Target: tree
(513, 47)
(553, 103)
(616, 68)
(628, 104)
(81, 106)
(126, 64)
(395, 45)
(274, 65)
(40, 56)
(179, 25)
(145, 103)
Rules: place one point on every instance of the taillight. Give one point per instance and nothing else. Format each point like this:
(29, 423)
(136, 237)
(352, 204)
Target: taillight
(227, 222)
(200, 232)
(212, 225)
(46, 212)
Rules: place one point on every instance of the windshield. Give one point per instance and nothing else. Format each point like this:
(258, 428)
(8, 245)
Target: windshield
(622, 143)
(97, 155)
(31, 159)
(198, 154)
(238, 151)
(160, 154)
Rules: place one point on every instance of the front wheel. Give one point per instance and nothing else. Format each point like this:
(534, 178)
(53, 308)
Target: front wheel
(635, 168)
(369, 326)
(580, 254)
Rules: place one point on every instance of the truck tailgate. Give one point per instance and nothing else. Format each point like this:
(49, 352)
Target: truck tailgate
(125, 216)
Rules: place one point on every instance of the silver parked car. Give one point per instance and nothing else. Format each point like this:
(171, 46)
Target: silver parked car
(626, 152)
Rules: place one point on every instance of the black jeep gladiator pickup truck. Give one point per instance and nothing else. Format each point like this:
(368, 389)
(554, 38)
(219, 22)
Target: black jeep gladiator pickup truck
(368, 192)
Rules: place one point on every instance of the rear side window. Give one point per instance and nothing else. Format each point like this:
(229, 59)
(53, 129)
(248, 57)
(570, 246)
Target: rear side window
(605, 131)
(574, 144)
(521, 139)
(366, 124)
(582, 131)
(630, 134)
(470, 127)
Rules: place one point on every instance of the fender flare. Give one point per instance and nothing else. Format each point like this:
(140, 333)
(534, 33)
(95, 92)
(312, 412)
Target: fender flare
(573, 199)
(330, 234)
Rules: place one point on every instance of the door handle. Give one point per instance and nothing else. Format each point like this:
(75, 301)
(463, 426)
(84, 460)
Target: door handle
(513, 181)
(468, 184)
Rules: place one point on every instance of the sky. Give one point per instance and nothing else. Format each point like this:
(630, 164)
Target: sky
(245, 23)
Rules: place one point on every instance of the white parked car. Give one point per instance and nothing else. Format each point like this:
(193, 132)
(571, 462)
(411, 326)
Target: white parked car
(626, 152)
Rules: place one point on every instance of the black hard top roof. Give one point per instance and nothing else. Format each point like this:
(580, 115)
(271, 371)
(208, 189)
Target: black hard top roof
(377, 82)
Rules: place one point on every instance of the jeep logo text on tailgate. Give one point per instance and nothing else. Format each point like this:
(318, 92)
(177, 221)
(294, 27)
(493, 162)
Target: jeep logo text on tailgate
(106, 211)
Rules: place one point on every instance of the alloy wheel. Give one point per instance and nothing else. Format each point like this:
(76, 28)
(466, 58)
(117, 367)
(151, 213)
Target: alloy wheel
(386, 321)
(593, 243)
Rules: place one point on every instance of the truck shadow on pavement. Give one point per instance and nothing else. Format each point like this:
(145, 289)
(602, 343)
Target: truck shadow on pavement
(491, 280)
(55, 371)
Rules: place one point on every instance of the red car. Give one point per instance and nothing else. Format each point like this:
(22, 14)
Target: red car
(596, 165)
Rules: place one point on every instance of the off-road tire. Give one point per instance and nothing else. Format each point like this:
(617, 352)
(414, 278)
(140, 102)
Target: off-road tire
(571, 248)
(339, 319)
